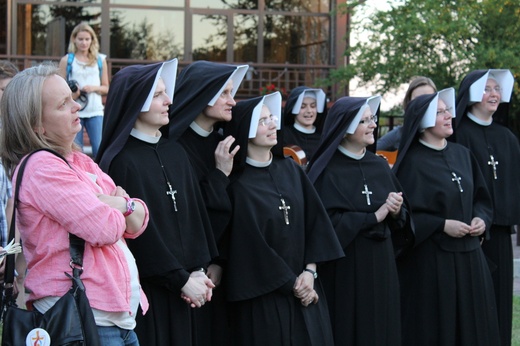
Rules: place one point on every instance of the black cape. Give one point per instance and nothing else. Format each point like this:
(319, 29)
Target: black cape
(446, 288)
(266, 254)
(334, 130)
(196, 85)
(124, 102)
(175, 242)
(498, 141)
(292, 136)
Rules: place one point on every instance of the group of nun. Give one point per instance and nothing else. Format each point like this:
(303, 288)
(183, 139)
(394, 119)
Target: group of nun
(246, 247)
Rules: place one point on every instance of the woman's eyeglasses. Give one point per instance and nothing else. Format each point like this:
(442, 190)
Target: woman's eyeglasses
(444, 111)
(269, 120)
(369, 120)
(489, 90)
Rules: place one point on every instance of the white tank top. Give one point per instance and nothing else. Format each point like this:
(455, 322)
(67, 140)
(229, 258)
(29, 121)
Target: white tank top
(88, 75)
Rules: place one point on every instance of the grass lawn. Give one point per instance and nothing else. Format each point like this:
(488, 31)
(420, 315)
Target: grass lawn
(515, 339)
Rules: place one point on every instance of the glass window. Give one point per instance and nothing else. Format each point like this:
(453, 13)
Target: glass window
(246, 38)
(75, 1)
(169, 3)
(45, 29)
(146, 34)
(311, 6)
(225, 4)
(296, 40)
(3, 27)
(209, 37)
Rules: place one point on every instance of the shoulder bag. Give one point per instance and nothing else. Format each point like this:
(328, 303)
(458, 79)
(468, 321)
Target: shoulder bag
(69, 322)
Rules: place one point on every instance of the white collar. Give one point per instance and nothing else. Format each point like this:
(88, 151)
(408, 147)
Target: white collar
(480, 121)
(351, 154)
(303, 129)
(258, 164)
(199, 130)
(433, 146)
(144, 137)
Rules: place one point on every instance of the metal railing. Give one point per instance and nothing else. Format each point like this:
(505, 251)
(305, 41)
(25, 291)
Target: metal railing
(259, 79)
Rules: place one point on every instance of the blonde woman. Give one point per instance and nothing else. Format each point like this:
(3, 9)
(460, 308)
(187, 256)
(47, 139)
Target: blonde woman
(86, 71)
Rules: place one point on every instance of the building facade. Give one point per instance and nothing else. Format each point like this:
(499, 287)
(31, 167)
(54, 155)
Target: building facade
(286, 42)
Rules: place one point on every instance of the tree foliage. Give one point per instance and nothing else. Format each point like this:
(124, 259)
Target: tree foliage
(442, 39)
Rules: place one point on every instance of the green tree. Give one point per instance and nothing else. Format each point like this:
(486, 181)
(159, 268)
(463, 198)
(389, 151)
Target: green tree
(442, 39)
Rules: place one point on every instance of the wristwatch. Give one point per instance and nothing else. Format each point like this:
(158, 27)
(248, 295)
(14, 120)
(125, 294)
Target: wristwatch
(130, 206)
(312, 272)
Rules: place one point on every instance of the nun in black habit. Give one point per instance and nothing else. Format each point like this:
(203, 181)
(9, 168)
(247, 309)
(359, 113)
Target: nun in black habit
(205, 93)
(137, 153)
(304, 114)
(279, 231)
(446, 287)
(483, 98)
(365, 204)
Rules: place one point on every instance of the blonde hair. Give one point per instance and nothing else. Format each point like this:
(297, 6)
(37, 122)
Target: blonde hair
(94, 45)
(21, 111)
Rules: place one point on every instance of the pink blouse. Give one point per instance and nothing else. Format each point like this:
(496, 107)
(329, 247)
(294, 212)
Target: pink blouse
(56, 200)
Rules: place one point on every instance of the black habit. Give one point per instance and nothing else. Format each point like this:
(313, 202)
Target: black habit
(270, 246)
(196, 86)
(497, 152)
(178, 238)
(362, 289)
(446, 286)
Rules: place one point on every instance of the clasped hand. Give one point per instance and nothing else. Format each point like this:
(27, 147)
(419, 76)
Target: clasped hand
(198, 290)
(459, 229)
(304, 289)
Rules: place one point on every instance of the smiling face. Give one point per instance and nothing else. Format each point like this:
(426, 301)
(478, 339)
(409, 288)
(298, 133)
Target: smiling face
(442, 128)
(364, 134)
(60, 120)
(150, 122)
(308, 113)
(265, 139)
(490, 101)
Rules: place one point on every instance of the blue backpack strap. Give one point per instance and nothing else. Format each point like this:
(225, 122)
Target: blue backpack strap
(100, 65)
(70, 59)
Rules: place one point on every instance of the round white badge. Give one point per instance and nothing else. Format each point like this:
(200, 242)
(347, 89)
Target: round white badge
(38, 337)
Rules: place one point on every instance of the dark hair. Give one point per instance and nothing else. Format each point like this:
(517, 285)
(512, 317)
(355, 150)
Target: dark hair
(414, 84)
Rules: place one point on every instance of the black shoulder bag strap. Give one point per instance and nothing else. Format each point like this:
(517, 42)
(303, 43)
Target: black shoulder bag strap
(76, 244)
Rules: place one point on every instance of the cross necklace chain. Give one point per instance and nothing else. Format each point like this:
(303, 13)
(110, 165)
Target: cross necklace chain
(171, 192)
(365, 190)
(283, 207)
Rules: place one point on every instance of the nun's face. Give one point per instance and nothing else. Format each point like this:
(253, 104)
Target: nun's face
(308, 113)
(221, 110)
(266, 130)
(364, 134)
(442, 128)
(149, 122)
(490, 99)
